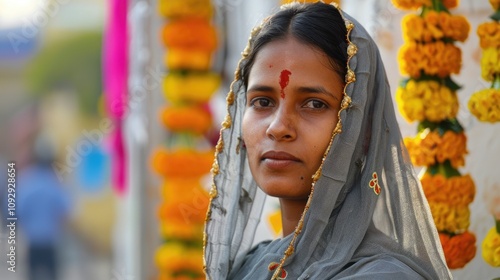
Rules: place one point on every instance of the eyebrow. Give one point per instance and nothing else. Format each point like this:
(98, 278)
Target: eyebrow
(317, 89)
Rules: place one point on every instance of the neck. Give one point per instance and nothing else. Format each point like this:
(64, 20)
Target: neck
(291, 211)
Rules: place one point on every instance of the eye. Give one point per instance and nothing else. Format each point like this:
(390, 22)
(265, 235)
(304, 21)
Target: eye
(261, 102)
(315, 104)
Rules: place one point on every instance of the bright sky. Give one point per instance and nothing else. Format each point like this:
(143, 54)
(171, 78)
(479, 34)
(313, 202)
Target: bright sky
(14, 12)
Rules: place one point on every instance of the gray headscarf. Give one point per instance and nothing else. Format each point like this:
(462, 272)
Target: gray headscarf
(347, 230)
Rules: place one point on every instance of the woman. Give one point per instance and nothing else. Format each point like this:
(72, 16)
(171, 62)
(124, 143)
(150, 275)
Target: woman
(329, 148)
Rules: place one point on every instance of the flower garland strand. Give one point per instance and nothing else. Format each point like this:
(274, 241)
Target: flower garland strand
(491, 242)
(429, 58)
(485, 104)
(190, 40)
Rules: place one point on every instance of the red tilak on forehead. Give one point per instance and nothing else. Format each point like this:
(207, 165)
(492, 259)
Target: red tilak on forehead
(284, 80)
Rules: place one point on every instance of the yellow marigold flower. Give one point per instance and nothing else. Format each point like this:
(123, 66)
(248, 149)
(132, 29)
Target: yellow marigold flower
(490, 63)
(495, 4)
(458, 249)
(485, 105)
(437, 58)
(194, 87)
(179, 58)
(174, 257)
(450, 218)
(426, 100)
(458, 190)
(489, 34)
(185, 8)
(491, 247)
(181, 230)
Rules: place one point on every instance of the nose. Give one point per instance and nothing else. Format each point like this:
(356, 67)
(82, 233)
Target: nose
(282, 126)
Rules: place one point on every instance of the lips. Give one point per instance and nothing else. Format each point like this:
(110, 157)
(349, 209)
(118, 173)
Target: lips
(278, 160)
(274, 155)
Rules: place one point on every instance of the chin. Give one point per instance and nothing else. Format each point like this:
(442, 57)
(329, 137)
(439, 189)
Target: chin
(286, 190)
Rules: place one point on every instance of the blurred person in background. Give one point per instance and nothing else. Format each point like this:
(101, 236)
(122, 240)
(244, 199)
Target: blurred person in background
(44, 206)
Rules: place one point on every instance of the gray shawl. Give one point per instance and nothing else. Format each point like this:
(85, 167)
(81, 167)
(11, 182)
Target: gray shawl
(347, 230)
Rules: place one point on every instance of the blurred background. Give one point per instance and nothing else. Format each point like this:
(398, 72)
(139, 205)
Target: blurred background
(57, 129)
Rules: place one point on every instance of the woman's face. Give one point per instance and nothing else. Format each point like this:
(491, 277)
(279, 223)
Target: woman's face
(293, 99)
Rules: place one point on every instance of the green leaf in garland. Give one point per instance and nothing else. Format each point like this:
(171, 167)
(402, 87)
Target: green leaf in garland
(441, 127)
(496, 16)
(444, 169)
(448, 82)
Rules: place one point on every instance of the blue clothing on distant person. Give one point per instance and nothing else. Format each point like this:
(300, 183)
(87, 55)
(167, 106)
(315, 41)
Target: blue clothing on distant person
(43, 205)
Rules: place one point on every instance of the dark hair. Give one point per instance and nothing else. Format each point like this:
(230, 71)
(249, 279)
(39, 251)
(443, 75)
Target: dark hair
(319, 25)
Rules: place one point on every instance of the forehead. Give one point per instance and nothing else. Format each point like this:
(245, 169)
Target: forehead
(304, 61)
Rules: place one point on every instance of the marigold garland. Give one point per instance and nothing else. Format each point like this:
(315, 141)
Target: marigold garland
(458, 249)
(429, 148)
(485, 103)
(437, 58)
(190, 39)
(429, 57)
(426, 100)
(435, 26)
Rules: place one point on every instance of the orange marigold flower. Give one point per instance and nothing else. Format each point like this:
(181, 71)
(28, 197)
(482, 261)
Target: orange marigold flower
(457, 190)
(458, 249)
(489, 34)
(186, 118)
(485, 105)
(450, 4)
(495, 4)
(182, 163)
(411, 4)
(435, 26)
(450, 218)
(190, 34)
(437, 58)
(491, 247)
